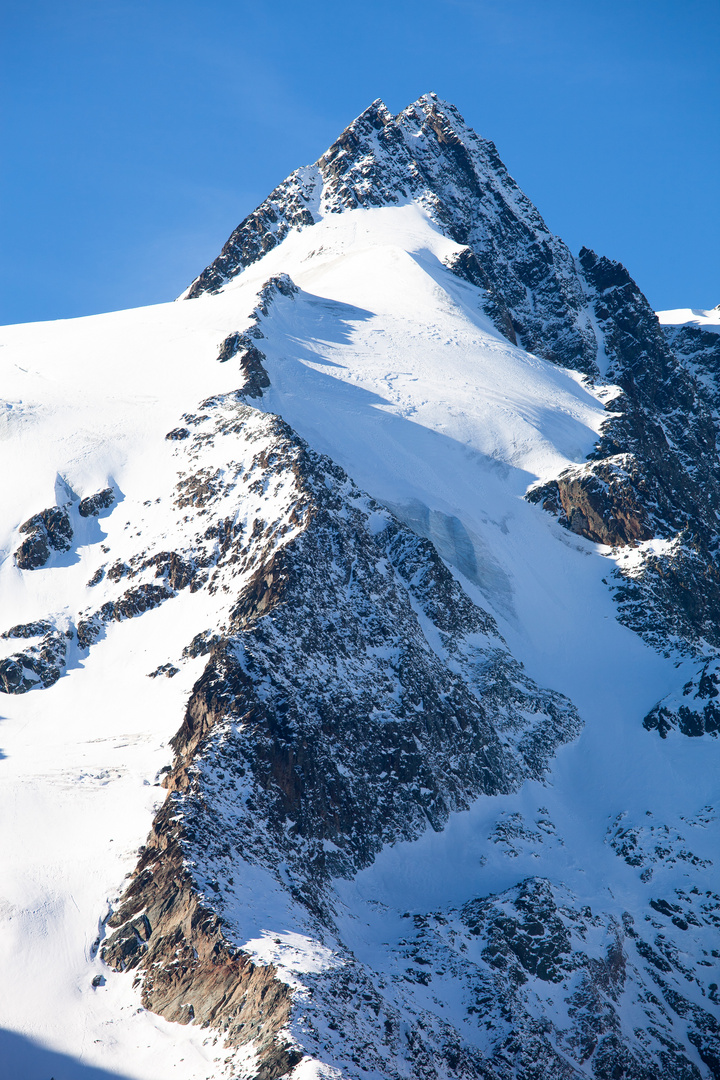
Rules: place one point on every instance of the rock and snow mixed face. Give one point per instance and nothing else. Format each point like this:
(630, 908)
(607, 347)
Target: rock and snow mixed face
(413, 824)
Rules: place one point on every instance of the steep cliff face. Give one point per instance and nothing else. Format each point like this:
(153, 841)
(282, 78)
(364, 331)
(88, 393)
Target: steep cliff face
(653, 475)
(354, 697)
(409, 814)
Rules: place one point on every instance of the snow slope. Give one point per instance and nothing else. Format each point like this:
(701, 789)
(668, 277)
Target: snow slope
(704, 320)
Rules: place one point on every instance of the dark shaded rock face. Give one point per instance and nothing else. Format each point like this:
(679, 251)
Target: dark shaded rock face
(93, 505)
(371, 733)
(40, 663)
(48, 531)
(251, 360)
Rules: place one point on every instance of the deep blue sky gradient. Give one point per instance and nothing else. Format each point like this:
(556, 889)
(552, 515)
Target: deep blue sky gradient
(137, 133)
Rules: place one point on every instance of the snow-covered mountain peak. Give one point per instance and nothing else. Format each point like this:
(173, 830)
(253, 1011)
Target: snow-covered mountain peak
(360, 653)
(428, 155)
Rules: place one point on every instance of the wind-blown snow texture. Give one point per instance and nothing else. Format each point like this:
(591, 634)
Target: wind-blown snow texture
(438, 763)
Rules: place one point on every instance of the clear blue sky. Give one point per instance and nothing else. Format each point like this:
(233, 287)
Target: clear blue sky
(137, 133)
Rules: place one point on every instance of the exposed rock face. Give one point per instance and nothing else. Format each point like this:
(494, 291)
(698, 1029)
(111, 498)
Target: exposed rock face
(252, 361)
(40, 663)
(191, 971)
(394, 701)
(664, 417)
(600, 502)
(93, 505)
(505, 949)
(48, 531)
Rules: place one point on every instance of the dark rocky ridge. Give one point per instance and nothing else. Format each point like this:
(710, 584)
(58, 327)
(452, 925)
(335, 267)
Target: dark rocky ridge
(370, 734)
(654, 473)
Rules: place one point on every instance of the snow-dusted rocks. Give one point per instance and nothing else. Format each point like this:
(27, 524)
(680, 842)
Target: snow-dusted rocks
(43, 533)
(40, 662)
(93, 505)
(355, 696)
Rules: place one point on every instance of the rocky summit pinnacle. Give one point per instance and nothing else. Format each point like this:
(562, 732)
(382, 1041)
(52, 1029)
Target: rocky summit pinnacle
(361, 661)
(427, 153)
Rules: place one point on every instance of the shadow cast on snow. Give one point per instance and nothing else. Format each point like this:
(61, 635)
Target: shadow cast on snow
(23, 1059)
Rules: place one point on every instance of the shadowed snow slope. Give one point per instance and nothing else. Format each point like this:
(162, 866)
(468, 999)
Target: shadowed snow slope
(322, 745)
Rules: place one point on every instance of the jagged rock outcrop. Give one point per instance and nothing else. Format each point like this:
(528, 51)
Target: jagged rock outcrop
(40, 663)
(48, 531)
(600, 502)
(191, 972)
(93, 505)
(251, 362)
(355, 697)
(428, 153)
